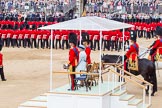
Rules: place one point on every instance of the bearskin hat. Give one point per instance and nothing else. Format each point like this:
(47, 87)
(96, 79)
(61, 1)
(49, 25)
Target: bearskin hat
(73, 38)
(133, 36)
(85, 37)
(27, 26)
(33, 27)
(158, 31)
(15, 27)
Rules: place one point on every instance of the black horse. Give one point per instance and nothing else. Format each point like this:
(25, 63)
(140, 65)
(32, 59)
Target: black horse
(146, 68)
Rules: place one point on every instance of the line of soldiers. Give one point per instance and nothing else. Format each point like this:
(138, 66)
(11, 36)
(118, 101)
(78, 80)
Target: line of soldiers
(26, 34)
(31, 37)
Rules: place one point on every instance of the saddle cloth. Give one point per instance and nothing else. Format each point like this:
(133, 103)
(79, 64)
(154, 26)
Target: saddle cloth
(133, 62)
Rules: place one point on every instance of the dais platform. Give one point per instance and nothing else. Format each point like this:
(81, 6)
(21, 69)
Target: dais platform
(112, 95)
(97, 97)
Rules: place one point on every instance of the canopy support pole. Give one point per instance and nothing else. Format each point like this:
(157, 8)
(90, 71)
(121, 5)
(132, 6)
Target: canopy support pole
(100, 61)
(51, 78)
(123, 53)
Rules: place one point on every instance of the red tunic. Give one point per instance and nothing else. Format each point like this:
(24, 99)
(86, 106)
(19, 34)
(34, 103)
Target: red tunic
(73, 56)
(21, 34)
(113, 36)
(4, 34)
(96, 35)
(33, 34)
(157, 44)
(133, 49)
(88, 52)
(15, 34)
(39, 34)
(126, 36)
(45, 34)
(106, 35)
(65, 35)
(9, 33)
(26, 34)
(1, 59)
(58, 35)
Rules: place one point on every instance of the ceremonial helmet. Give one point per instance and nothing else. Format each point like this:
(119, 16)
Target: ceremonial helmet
(73, 38)
(85, 37)
(33, 27)
(158, 31)
(133, 36)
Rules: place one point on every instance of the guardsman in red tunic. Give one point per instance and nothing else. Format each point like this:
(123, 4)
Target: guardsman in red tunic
(157, 46)
(33, 36)
(65, 39)
(45, 37)
(73, 57)
(85, 40)
(14, 40)
(107, 39)
(96, 35)
(9, 37)
(148, 30)
(133, 50)
(91, 39)
(1, 65)
(58, 38)
(4, 35)
(113, 40)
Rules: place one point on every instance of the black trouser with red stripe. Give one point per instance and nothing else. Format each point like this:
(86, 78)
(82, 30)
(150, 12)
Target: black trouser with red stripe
(8, 42)
(95, 43)
(58, 41)
(106, 44)
(14, 42)
(2, 73)
(27, 42)
(53, 44)
(148, 35)
(113, 45)
(72, 76)
(33, 41)
(40, 43)
(45, 43)
(63, 42)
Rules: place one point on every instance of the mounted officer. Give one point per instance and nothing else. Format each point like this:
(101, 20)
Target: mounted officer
(156, 48)
(131, 55)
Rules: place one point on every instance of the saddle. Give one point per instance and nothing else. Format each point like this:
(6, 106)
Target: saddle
(158, 55)
(133, 62)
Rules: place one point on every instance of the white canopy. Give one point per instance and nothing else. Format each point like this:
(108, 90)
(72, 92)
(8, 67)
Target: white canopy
(88, 23)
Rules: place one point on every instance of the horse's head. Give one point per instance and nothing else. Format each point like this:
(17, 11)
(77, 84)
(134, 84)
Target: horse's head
(95, 66)
(111, 58)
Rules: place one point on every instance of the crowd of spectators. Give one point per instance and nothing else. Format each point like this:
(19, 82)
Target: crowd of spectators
(122, 6)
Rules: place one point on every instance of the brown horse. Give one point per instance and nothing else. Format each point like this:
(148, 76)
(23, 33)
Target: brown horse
(93, 68)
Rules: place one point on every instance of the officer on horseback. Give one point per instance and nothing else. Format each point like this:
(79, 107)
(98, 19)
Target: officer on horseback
(133, 51)
(156, 49)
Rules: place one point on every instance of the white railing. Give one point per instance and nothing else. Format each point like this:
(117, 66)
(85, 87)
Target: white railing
(121, 75)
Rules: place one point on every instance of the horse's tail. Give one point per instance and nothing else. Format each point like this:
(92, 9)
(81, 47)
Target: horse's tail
(154, 78)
